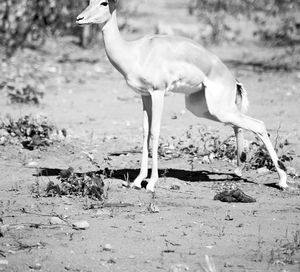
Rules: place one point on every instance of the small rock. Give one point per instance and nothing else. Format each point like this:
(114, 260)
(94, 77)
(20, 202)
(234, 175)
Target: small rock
(153, 208)
(3, 262)
(64, 132)
(56, 221)
(107, 247)
(36, 266)
(3, 140)
(228, 265)
(175, 187)
(3, 132)
(32, 164)
(228, 218)
(292, 172)
(82, 225)
(263, 170)
(3, 230)
(112, 261)
(178, 268)
(205, 160)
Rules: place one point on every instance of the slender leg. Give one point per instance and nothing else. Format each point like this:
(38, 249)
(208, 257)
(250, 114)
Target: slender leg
(258, 127)
(147, 112)
(157, 109)
(241, 155)
(228, 113)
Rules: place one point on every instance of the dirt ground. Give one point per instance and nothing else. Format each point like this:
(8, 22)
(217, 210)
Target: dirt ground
(84, 95)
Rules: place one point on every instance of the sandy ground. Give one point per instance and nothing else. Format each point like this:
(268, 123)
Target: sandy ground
(84, 95)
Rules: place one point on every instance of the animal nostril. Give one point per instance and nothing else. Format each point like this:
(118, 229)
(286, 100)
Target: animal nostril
(79, 18)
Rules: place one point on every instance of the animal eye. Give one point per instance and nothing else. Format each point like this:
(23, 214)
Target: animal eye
(104, 4)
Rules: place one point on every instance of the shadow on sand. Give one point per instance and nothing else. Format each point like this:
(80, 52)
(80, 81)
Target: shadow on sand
(131, 174)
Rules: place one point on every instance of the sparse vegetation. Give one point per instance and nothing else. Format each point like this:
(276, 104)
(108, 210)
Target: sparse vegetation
(205, 146)
(75, 184)
(22, 93)
(272, 23)
(29, 131)
(287, 250)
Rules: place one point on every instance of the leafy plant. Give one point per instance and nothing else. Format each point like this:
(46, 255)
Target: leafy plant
(205, 146)
(29, 131)
(20, 93)
(78, 185)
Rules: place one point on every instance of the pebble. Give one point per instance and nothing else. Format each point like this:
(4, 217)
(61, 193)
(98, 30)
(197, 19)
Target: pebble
(82, 225)
(205, 160)
(153, 208)
(292, 171)
(3, 140)
(3, 132)
(3, 230)
(3, 262)
(107, 247)
(175, 187)
(36, 266)
(32, 164)
(228, 217)
(56, 221)
(178, 268)
(263, 170)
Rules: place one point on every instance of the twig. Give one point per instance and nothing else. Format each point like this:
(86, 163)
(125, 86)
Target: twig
(48, 215)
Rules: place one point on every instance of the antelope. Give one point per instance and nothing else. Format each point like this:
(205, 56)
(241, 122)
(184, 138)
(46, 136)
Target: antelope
(155, 65)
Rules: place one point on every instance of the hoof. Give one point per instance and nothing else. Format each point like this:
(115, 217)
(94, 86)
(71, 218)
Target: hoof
(283, 187)
(135, 186)
(150, 188)
(238, 172)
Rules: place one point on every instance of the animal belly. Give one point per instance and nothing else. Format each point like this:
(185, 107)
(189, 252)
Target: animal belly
(196, 104)
(183, 88)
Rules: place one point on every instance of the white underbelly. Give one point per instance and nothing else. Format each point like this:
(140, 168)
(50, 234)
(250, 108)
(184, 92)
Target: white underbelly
(184, 88)
(175, 87)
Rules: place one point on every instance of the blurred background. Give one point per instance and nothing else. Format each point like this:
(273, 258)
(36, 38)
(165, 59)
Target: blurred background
(28, 23)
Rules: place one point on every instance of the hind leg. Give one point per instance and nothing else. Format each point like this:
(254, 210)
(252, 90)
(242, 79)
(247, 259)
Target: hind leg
(241, 155)
(221, 104)
(258, 127)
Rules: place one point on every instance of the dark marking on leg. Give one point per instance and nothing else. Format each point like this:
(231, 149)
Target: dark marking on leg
(243, 157)
(281, 165)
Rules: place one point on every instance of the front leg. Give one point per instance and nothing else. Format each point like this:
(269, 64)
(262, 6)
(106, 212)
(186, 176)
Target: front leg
(157, 109)
(147, 113)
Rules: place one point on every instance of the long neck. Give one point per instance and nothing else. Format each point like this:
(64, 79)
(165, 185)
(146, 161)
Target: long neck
(116, 47)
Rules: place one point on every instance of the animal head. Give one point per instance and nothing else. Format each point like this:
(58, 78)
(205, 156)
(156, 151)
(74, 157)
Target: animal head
(97, 12)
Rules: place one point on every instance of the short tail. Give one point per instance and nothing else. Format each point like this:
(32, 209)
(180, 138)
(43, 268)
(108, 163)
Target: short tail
(241, 97)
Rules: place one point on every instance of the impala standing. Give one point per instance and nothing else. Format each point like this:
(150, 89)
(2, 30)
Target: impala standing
(155, 65)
